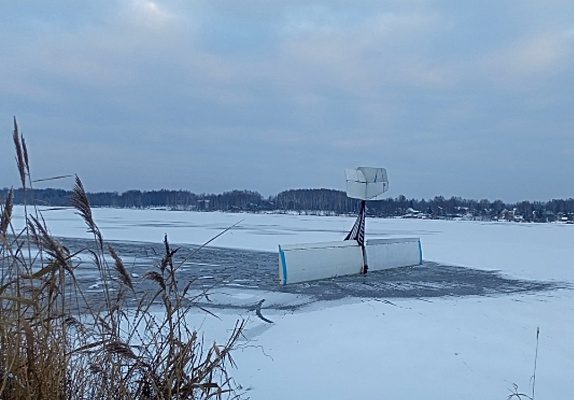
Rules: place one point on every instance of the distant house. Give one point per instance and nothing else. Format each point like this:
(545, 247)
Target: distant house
(412, 213)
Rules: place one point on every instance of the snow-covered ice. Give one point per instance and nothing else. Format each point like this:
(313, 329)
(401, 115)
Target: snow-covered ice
(472, 347)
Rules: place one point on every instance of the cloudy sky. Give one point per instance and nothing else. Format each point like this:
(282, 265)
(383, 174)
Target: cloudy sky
(471, 99)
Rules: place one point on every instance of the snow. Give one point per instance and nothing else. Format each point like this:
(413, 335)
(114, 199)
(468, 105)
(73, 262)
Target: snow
(471, 347)
(530, 251)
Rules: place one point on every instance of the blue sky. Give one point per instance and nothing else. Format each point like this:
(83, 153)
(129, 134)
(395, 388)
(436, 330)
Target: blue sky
(472, 99)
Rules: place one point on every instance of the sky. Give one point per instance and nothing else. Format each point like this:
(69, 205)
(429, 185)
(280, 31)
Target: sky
(470, 99)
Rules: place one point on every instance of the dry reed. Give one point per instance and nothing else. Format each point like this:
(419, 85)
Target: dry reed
(55, 343)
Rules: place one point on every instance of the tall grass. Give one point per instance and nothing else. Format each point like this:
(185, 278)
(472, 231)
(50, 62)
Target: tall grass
(56, 342)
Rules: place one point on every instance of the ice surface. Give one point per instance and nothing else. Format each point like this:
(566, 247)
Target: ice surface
(530, 251)
(473, 347)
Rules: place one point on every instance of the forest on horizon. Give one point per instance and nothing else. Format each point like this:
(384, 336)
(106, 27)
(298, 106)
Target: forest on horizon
(325, 201)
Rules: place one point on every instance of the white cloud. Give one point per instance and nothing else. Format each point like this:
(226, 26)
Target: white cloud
(364, 55)
(399, 78)
(150, 13)
(533, 56)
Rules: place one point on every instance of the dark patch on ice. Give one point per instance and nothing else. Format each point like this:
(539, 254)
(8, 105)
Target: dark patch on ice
(213, 267)
(427, 280)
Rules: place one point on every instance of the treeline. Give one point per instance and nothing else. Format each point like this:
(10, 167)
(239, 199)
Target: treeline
(314, 201)
(240, 200)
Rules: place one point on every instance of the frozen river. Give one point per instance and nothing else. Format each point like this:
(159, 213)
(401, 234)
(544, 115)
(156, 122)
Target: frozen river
(463, 325)
(213, 267)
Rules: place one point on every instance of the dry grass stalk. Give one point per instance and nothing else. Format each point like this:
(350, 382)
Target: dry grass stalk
(6, 217)
(20, 157)
(56, 343)
(123, 273)
(82, 205)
